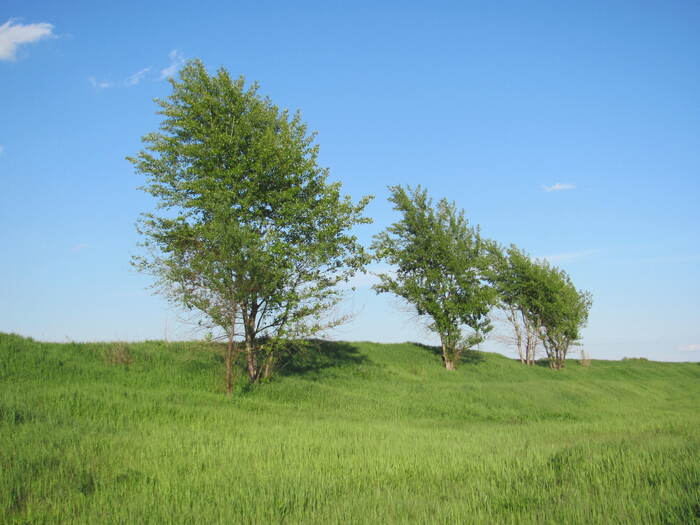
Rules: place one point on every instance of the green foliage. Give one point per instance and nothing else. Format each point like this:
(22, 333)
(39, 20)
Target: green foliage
(560, 310)
(349, 433)
(441, 262)
(545, 299)
(251, 234)
(511, 272)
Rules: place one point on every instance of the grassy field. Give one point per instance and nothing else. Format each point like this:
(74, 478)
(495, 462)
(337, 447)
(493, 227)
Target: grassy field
(357, 433)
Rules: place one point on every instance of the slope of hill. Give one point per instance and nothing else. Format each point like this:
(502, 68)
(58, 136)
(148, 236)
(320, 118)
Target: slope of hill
(352, 433)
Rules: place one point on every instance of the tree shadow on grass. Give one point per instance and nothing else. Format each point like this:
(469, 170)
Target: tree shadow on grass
(470, 357)
(544, 363)
(315, 355)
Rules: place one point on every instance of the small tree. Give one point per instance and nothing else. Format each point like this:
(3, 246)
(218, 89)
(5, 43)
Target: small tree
(252, 237)
(511, 273)
(558, 308)
(440, 262)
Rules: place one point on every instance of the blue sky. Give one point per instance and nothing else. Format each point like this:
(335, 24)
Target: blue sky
(571, 129)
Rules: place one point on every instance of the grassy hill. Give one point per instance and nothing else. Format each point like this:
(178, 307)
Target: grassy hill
(353, 433)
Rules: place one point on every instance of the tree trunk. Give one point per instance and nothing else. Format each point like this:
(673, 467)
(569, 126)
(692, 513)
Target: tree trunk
(530, 345)
(268, 364)
(229, 367)
(267, 369)
(230, 353)
(250, 346)
(533, 337)
(556, 360)
(529, 339)
(251, 360)
(449, 362)
(512, 317)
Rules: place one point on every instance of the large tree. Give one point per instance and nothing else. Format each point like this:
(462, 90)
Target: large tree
(250, 234)
(441, 264)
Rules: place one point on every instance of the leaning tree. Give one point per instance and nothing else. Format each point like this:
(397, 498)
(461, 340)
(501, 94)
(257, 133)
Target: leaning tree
(558, 308)
(441, 264)
(248, 231)
(511, 273)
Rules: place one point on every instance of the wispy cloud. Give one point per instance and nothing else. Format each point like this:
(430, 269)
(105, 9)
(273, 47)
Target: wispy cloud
(137, 77)
(689, 348)
(130, 81)
(80, 247)
(100, 84)
(13, 35)
(2, 150)
(176, 61)
(569, 256)
(559, 186)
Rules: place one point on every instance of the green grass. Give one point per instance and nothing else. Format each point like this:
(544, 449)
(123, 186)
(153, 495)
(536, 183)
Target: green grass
(358, 433)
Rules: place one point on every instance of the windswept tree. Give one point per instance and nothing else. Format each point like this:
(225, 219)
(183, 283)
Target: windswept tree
(541, 304)
(561, 311)
(511, 273)
(440, 265)
(249, 234)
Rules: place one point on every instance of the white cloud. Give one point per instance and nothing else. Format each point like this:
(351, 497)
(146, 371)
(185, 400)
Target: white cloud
(176, 61)
(570, 256)
(2, 150)
(137, 77)
(560, 186)
(14, 35)
(129, 81)
(100, 84)
(689, 348)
